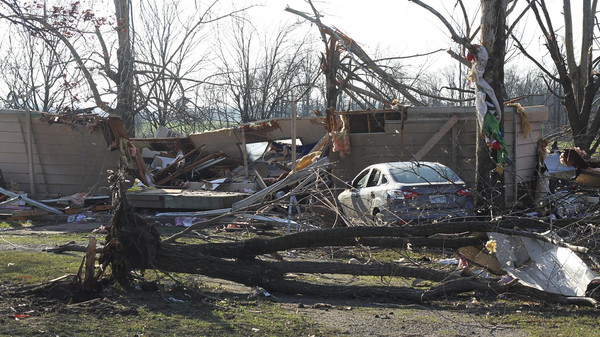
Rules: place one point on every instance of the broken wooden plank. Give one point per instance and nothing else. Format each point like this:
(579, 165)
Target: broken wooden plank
(436, 138)
(209, 213)
(176, 161)
(204, 162)
(261, 171)
(290, 179)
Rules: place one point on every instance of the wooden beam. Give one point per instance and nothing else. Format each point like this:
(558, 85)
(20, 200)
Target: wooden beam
(454, 139)
(287, 181)
(159, 174)
(294, 135)
(29, 201)
(211, 159)
(436, 138)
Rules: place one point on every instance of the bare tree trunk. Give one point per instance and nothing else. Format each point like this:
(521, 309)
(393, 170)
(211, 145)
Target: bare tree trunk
(490, 184)
(125, 92)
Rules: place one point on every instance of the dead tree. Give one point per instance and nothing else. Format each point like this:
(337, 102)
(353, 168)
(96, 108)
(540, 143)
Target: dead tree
(577, 76)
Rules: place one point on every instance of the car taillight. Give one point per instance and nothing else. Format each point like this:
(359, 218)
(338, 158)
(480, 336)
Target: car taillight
(409, 194)
(398, 194)
(465, 192)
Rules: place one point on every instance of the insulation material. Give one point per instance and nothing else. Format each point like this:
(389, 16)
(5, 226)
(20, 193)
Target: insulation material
(341, 142)
(542, 265)
(340, 139)
(524, 118)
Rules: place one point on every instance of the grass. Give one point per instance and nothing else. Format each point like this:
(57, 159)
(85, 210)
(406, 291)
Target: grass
(6, 225)
(25, 268)
(213, 308)
(134, 312)
(552, 322)
(38, 241)
(131, 312)
(145, 315)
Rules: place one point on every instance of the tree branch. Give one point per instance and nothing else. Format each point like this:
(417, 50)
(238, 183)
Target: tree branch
(457, 38)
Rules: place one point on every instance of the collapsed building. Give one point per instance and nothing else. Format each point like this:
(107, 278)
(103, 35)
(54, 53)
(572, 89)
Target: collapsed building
(446, 135)
(50, 156)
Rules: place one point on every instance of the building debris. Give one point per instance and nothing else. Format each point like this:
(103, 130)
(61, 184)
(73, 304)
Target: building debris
(16, 197)
(215, 260)
(244, 178)
(542, 265)
(587, 172)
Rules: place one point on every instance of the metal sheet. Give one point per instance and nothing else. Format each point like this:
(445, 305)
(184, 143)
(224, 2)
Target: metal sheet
(542, 265)
(30, 201)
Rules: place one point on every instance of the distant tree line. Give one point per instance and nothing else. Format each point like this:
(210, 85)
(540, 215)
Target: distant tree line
(202, 69)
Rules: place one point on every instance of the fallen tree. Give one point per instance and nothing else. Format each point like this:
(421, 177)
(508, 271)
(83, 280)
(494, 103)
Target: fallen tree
(134, 244)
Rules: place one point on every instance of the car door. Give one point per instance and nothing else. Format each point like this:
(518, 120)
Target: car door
(355, 206)
(369, 194)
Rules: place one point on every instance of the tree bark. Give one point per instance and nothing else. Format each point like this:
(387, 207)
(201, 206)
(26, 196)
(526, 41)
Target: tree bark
(490, 184)
(125, 84)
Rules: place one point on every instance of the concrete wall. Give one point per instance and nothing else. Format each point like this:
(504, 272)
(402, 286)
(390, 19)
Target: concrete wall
(67, 159)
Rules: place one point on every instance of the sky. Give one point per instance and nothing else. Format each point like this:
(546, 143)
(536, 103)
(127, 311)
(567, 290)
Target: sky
(402, 28)
(395, 26)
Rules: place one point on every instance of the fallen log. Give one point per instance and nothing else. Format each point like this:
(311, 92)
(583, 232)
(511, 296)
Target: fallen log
(270, 275)
(349, 236)
(248, 272)
(133, 244)
(341, 237)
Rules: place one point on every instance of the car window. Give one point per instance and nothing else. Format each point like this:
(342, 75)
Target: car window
(361, 180)
(383, 180)
(424, 174)
(374, 178)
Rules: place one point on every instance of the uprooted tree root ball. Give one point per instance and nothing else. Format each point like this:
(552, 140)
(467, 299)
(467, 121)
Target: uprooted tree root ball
(131, 242)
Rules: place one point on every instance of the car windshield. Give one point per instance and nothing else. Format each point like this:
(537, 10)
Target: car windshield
(424, 174)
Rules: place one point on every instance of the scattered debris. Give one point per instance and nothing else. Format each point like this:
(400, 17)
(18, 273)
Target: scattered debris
(15, 197)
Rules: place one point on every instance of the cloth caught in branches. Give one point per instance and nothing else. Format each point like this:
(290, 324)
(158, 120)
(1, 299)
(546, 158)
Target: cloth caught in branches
(340, 139)
(489, 113)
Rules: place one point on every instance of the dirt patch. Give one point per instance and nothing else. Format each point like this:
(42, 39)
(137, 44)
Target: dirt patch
(380, 317)
(359, 318)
